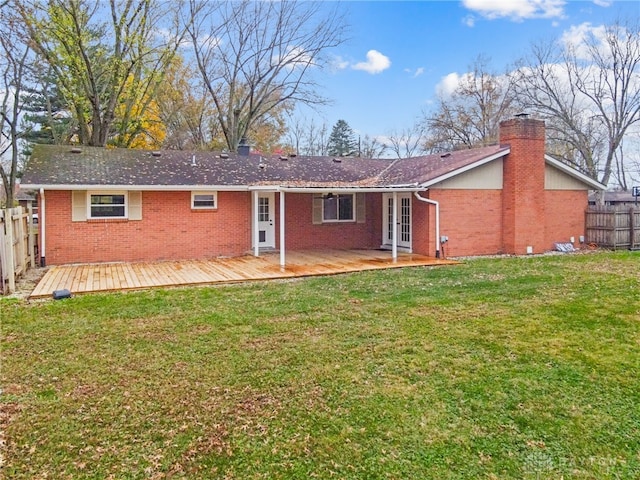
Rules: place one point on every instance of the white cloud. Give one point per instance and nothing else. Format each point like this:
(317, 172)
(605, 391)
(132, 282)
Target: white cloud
(338, 63)
(448, 84)
(376, 63)
(577, 37)
(294, 57)
(415, 73)
(469, 21)
(603, 3)
(516, 10)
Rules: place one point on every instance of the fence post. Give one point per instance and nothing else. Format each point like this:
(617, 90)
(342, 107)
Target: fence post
(10, 264)
(632, 227)
(19, 235)
(31, 240)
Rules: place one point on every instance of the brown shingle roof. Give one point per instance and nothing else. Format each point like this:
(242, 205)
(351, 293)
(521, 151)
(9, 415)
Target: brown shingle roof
(424, 169)
(58, 165)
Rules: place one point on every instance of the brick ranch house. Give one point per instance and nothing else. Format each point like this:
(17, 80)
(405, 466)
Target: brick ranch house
(106, 205)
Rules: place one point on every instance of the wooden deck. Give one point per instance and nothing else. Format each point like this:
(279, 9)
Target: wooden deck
(102, 277)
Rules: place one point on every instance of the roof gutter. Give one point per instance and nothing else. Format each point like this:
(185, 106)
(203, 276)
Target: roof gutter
(164, 188)
(228, 188)
(433, 202)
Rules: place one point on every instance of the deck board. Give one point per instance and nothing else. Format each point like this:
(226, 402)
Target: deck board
(103, 277)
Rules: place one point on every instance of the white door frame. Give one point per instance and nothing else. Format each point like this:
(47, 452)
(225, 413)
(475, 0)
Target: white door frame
(264, 220)
(403, 218)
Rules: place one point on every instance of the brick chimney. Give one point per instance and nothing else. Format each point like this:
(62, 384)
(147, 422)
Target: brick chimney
(523, 202)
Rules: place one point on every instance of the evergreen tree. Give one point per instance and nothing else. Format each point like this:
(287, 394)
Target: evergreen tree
(342, 141)
(46, 117)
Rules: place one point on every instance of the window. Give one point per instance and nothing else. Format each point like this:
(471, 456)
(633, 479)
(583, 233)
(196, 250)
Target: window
(108, 205)
(204, 200)
(338, 208)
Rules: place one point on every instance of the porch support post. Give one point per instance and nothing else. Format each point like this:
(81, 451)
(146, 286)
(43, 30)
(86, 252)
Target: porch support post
(394, 222)
(254, 230)
(282, 242)
(42, 223)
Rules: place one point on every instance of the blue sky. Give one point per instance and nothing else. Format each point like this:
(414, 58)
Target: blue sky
(399, 52)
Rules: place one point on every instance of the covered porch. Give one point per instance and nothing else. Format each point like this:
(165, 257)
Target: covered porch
(104, 277)
(344, 218)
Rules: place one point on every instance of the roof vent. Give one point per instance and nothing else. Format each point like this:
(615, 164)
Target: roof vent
(337, 160)
(156, 153)
(224, 155)
(445, 155)
(522, 115)
(76, 150)
(284, 158)
(293, 155)
(193, 160)
(261, 166)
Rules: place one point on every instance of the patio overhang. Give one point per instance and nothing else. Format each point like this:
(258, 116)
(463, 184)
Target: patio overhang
(324, 190)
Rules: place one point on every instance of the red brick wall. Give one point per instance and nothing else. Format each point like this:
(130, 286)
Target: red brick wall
(523, 185)
(564, 216)
(423, 227)
(169, 230)
(472, 219)
(302, 234)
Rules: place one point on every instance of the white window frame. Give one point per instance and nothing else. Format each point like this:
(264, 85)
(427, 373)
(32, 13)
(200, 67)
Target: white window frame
(107, 192)
(214, 194)
(338, 220)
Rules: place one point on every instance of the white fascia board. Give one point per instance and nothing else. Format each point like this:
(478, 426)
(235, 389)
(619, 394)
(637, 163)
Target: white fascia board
(165, 188)
(572, 172)
(400, 189)
(471, 166)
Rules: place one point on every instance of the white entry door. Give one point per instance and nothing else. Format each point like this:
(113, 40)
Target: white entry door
(266, 221)
(403, 218)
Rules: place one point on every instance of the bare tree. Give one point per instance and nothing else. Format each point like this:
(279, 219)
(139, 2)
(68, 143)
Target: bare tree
(369, 147)
(295, 134)
(185, 109)
(408, 142)
(589, 94)
(15, 58)
(108, 58)
(316, 139)
(255, 56)
(470, 116)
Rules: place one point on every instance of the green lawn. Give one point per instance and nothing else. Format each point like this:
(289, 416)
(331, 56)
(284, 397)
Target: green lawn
(523, 368)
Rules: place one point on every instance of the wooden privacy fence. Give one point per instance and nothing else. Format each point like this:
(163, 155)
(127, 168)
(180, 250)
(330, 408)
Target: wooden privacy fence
(17, 246)
(613, 227)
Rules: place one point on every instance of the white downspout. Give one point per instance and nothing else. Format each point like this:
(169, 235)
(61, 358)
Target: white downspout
(433, 202)
(41, 222)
